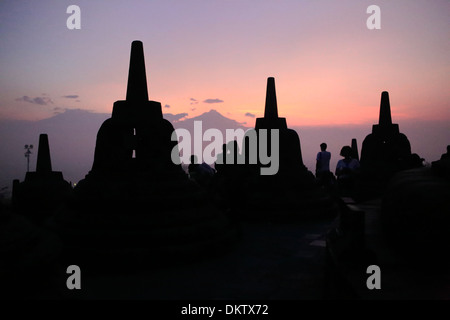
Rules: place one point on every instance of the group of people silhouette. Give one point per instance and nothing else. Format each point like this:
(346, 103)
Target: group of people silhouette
(346, 172)
(344, 176)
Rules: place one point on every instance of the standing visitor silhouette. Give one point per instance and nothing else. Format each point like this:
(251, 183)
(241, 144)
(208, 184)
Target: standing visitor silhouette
(323, 174)
(323, 160)
(200, 173)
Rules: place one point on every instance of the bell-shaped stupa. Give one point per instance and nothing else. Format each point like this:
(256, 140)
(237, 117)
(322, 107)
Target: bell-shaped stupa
(274, 184)
(385, 145)
(43, 190)
(384, 152)
(137, 203)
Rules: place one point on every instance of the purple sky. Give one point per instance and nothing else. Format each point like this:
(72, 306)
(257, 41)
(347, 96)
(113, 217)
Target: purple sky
(329, 68)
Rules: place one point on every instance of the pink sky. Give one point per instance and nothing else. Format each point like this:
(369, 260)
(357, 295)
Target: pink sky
(329, 68)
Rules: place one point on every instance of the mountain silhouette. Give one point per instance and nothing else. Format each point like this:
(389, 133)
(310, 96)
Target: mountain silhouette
(210, 119)
(72, 136)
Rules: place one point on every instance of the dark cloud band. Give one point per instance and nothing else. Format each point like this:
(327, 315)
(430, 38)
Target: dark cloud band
(43, 101)
(213, 101)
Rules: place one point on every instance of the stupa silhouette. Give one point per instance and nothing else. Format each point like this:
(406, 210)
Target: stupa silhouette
(415, 207)
(289, 193)
(385, 144)
(43, 190)
(136, 137)
(290, 152)
(384, 152)
(136, 203)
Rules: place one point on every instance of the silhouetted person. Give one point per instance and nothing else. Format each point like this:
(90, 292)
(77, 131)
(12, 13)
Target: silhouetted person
(442, 166)
(446, 156)
(347, 169)
(323, 173)
(193, 165)
(323, 160)
(412, 161)
(229, 157)
(200, 173)
(415, 161)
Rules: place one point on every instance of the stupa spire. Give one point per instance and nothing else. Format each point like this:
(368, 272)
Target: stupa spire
(271, 108)
(44, 163)
(137, 79)
(355, 153)
(385, 110)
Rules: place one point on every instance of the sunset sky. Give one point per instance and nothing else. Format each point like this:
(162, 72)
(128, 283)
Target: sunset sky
(329, 68)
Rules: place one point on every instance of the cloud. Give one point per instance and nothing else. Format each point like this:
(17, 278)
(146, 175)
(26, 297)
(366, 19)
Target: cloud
(71, 96)
(58, 110)
(166, 106)
(43, 101)
(175, 117)
(194, 101)
(193, 109)
(251, 115)
(213, 101)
